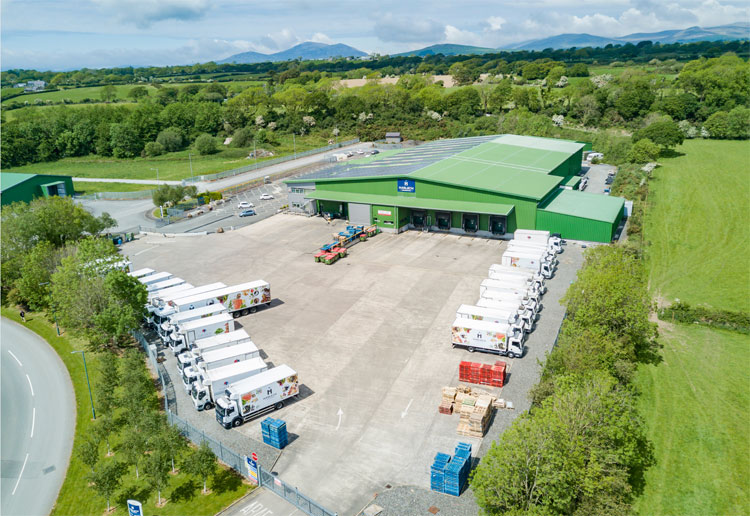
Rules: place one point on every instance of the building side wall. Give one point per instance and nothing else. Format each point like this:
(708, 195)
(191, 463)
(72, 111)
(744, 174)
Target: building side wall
(32, 188)
(576, 228)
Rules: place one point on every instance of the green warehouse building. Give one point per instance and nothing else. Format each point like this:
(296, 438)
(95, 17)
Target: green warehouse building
(487, 186)
(26, 187)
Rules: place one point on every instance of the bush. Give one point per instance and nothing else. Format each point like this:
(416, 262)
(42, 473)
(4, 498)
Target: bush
(205, 144)
(643, 151)
(242, 137)
(170, 139)
(153, 149)
(725, 319)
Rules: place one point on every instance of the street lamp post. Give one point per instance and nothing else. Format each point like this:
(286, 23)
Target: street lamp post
(190, 158)
(83, 354)
(161, 208)
(255, 154)
(54, 311)
(294, 143)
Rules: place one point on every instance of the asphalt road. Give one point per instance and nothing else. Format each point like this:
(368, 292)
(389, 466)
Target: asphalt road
(262, 503)
(38, 422)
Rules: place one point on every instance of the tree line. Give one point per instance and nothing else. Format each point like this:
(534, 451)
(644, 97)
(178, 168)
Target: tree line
(582, 448)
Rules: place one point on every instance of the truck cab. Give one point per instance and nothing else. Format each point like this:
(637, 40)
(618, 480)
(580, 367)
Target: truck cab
(200, 396)
(226, 413)
(190, 377)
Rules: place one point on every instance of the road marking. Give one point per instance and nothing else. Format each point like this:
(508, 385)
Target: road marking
(30, 386)
(20, 474)
(256, 509)
(14, 356)
(33, 420)
(339, 414)
(141, 252)
(403, 414)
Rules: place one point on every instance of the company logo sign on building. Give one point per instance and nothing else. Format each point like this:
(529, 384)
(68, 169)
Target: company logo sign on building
(385, 213)
(406, 185)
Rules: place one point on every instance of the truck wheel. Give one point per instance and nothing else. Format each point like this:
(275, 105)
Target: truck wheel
(208, 406)
(244, 312)
(512, 355)
(471, 350)
(236, 314)
(237, 422)
(278, 405)
(253, 309)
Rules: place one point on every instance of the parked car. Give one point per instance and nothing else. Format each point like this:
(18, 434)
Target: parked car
(248, 213)
(375, 151)
(245, 205)
(266, 197)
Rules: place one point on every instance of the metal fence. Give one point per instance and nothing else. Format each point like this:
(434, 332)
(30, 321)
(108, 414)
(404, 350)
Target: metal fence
(267, 163)
(226, 455)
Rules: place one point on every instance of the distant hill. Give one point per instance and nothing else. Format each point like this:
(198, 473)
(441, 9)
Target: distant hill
(448, 50)
(304, 51)
(740, 30)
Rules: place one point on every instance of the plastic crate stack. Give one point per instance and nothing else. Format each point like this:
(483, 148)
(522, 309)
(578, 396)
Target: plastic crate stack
(274, 432)
(482, 374)
(457, 471)
(437, 472)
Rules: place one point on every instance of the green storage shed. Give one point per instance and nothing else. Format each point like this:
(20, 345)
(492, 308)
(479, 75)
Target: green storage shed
(581, 216)
(27, 187)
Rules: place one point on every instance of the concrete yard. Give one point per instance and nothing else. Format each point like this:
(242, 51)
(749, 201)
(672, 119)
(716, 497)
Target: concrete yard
(370, 339)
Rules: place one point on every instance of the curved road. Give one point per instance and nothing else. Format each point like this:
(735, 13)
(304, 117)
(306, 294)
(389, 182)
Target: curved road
(38, 422)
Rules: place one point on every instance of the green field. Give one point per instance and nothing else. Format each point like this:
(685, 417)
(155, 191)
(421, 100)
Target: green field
(172, 166)
(12, 114)
(78, 94)
(85, 188)
(696, 402)
(697, 225)
(76, 498)
(696, 405)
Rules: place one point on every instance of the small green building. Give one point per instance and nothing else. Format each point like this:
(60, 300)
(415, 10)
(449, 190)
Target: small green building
(488, 186)
(27, 187)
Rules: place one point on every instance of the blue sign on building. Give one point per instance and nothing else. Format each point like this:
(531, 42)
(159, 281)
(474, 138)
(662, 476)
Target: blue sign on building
(406, 185)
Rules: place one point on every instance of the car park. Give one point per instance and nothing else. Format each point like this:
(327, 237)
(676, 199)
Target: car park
(248, 213)
(266, 197)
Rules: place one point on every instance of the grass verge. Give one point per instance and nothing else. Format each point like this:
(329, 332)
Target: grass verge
(86, 188)
(76, 498)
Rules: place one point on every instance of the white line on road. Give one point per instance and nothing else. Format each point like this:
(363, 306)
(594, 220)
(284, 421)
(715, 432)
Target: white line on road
(403, 414)
(20, 474)
(33, 420)
(30, 386)
(14, 356)
(141, 252)
(339, 414)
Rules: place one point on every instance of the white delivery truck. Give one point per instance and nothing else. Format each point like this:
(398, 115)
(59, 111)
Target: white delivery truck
(155, 278)
(497, 268)
(171, 282)
(546, 254)
(215, 357)
(523, 291)
(141, 273)
(519, 281)
(526, 261)
(167, 327)
(238, 299)
(211, 384)
(514, 295)
(531, 235)
(526, 315)
(256, 395)
(149, 315)
(487, 336)
(187, 333)
(494, 315)
(160, 309)
(219, 341)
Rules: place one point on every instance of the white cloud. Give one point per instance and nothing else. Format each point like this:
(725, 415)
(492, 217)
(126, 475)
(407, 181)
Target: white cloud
(319, 37)
(461, 37)
(496, 22)
(144, 13)
(280, 40)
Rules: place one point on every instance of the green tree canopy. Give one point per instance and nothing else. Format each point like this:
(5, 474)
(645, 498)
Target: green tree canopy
(201, 462)
(107, 478)
(665, 134)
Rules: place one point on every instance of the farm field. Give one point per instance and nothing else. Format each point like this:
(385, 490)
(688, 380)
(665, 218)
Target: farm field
(85, 188)
(696, 402)
(172, 166)
(13, 114)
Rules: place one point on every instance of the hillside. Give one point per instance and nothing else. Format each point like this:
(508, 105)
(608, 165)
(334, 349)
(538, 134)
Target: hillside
(305, 51)
(448, 50)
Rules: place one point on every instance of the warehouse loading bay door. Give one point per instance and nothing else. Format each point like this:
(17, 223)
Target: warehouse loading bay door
(360, 214)
(497, 224)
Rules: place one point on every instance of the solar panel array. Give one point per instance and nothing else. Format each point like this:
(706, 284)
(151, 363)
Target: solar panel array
(400, 163)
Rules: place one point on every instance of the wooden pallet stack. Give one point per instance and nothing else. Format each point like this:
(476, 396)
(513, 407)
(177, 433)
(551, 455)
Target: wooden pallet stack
(449, 397)
(475, 416)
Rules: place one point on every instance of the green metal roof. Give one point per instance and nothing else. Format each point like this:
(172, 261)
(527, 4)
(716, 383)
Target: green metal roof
(586, 205)
(412, 202)
(11, 179)
(573, 181)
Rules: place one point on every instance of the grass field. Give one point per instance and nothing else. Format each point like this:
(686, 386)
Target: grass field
(172, 166)
(697, 401)
(697, 225)
(85, 188)
(12, 114)
(696, 405)
(75, 498)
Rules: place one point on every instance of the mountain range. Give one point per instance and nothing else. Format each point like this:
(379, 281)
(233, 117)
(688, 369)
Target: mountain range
(305, 51)
(313, 51)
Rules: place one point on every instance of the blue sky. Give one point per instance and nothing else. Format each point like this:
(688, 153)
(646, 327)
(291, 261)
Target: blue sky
(65, 34)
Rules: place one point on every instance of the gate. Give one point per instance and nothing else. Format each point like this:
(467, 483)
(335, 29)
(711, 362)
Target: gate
(291, 494)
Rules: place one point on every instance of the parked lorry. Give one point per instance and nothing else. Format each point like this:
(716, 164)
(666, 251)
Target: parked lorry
(527, 261)
(187, 333)
(543, 252)
(219, 341)
(494, 315)
(523, 291)
(514, 295)
(497, 268)
(238, 299)
(217, 357)
(167, 327)
(141, 273)
(211, 384)
(519, 280)
(508, 281)
(487, 336)
(531, 235)
(155, 278)
(161, 285)
(159, 308)
(527, 315)
(256, 395)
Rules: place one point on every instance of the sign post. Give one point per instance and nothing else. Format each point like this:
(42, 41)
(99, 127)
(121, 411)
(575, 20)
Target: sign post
(252, 468)
(135, 508)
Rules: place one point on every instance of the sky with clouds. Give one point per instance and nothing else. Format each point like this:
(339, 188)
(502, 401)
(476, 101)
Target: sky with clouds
(65, 34)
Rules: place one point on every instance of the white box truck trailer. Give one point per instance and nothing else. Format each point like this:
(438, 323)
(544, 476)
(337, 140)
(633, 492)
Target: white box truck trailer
(212, 383)
(531, 235)
(238, 299)
(497, 268)
(523, 291)
(219, 341)
(219, 358)
(155, 278)
(525, 314)
(526, 261)
(256, 395)
(519, 281)
(543, 252)
(494, 315)
(141, 272)
(160, 309)
(486, 336)
(211, 359)
(167, 327)
(512, 295)
(188, 332)
(171, 282)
